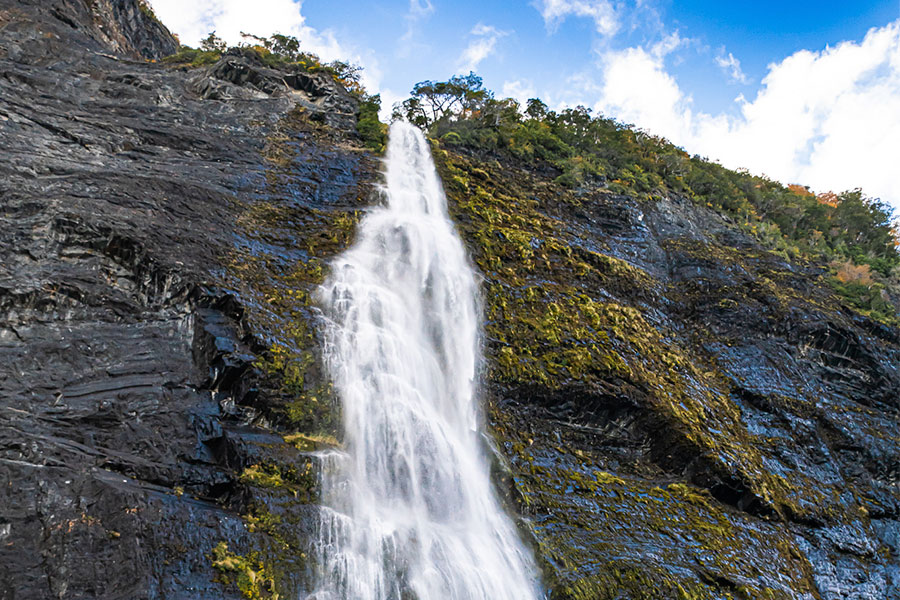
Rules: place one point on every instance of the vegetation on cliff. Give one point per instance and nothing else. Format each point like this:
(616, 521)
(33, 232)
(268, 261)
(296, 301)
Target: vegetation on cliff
(282, 51)
(609, 330)
(850, 234)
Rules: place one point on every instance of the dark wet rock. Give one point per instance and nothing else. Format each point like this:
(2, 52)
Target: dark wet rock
(130, 370)
(242, 73)
(685, 413)
(121, 27)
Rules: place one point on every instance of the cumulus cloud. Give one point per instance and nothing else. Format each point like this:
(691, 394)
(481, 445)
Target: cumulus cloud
(602, 12)
(520, 90)
(826, 119)
(731, 66)
(193, 21)
(484, 40)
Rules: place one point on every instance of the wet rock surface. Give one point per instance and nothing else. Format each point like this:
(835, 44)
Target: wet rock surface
(126, 356)
(686, 414)
(683, 414)
(49, 31)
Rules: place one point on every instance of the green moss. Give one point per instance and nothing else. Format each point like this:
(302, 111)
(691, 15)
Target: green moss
(262, 476)
(602, 535)
(192, 57)
(636, 584)
(310, 442)
(300, 482)
(260, 519)
(246, 573)
(557, 338)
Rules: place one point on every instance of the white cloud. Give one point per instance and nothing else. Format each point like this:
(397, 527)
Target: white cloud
(731, 66)
(388, 99)
(828, 119)
(519, 90)
(192, 21)
(418, 11)
(638, 90)
(668, 44)
(602, 12)
(420, 8)
(481, 46)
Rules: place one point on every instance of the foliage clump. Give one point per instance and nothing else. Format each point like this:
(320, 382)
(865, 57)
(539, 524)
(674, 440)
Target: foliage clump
(147, 11)
(372, 131)
(299, 482)
(193, 57)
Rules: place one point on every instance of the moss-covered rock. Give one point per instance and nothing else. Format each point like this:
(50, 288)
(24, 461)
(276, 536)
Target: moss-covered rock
(246, 573)
(315, 185)
(657, 379)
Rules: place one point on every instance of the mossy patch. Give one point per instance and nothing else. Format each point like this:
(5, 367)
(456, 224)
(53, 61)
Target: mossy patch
(299, 481)
(192, 58)
(604, 536)
(246, 573)
(311, 442)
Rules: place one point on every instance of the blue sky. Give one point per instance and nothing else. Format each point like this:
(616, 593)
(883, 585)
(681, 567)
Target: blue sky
(805, 92)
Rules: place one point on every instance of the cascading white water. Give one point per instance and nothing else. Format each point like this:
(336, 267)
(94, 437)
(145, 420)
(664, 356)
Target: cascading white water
(411, 511)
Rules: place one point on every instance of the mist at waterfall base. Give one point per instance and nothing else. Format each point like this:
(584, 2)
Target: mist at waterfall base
(410, 512)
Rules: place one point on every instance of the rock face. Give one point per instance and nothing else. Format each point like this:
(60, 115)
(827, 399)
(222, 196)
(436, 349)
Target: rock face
(678, 413)
(126, 356)
(242, 72)
(686, 414)
(64, 27)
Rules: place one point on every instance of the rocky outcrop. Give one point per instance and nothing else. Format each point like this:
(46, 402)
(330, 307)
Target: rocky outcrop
(131, 366)
(242, 73)
(677, 412)
(64, 27)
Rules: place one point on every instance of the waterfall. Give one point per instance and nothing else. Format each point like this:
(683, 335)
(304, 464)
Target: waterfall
(410, 512)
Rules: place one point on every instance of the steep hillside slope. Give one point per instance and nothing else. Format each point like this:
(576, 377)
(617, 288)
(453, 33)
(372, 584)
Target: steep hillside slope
(686, 414)
(679, 413)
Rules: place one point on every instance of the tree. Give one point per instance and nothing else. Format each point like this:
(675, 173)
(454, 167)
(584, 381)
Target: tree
(432, 101)
(535, 109)
(213, 43)
(349, 76)
(497, 113)
(372, 131)
(284, 46)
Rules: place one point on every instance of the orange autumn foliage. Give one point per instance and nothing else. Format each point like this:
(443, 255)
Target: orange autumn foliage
(847, 272)
(829, 198)
(801, 190)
